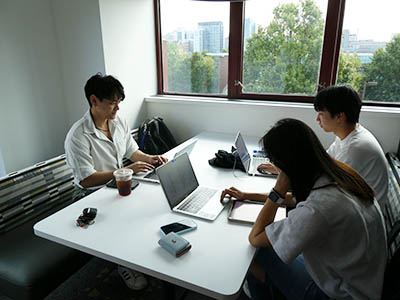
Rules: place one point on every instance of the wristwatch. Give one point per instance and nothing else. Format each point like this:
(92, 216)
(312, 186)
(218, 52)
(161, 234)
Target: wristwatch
(275, 196)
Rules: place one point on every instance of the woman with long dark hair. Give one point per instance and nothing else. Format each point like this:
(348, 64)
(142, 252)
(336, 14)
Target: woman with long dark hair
(333, 243)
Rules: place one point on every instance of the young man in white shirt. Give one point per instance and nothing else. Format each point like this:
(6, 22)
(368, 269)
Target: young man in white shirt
(96, 144)
(338, 110)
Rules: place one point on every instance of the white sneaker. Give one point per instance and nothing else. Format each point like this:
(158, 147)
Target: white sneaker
(246, 289)
(133, 279)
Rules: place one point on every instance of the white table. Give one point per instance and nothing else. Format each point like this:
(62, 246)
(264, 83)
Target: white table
(126, 230)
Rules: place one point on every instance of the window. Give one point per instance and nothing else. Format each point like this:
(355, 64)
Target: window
(370, 50)
(282, 46)
(194, 46)
(278, 49)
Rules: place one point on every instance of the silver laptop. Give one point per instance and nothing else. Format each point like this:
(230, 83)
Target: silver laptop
(183, 192)
(250, 162)
(187, 149)
(152, 176)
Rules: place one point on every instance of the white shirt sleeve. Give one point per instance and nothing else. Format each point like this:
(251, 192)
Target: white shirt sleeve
(79, 159)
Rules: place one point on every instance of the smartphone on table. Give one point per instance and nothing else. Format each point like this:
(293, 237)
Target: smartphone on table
(113, 184)
(179, 227)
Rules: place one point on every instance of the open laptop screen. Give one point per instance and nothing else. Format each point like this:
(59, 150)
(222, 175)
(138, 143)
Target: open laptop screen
(242, 151)
(177, 179)
(188, 149)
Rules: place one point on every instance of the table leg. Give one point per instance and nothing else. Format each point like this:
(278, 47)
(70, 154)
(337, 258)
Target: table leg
(171, 292)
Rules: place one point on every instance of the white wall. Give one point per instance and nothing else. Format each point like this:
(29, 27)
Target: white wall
(129, 51)
(186, 118)
(2, 168)
(48, 49)
(32, 104)
(80, 51)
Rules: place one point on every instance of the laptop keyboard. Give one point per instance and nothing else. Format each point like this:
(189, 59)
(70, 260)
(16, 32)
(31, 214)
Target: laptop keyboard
(259, 159)
(197, 200)
(152, 175)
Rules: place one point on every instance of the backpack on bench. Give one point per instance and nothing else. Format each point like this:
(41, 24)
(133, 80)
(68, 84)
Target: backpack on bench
(155, 137)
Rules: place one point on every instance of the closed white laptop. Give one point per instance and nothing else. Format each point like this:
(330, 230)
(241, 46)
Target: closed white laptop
(152, 176)
(183, 192)
(250, 162)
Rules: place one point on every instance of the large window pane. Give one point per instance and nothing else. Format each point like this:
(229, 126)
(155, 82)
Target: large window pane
(194, 46)
(370, 49)
(282, 46)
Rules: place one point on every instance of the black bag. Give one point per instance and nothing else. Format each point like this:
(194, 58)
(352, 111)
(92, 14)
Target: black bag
(155, 137)
(224, 159)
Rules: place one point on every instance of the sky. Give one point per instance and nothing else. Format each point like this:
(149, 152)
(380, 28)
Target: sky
(376, 20)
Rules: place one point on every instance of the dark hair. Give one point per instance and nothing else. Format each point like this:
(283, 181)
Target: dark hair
(293, 147)
(104, 87)
(337, 99)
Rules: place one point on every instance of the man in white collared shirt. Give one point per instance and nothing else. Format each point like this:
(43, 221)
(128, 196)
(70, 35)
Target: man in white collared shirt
(96, 144)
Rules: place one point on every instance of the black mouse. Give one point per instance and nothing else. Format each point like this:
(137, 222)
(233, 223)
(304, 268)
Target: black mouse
(89, 213)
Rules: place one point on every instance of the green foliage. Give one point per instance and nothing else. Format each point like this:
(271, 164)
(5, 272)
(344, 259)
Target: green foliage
(284, 57)
(385, 70)
(191, 74)
(178, 70)
(203, 71)
(350, 71)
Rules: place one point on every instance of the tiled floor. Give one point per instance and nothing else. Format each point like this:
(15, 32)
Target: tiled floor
(99, 280)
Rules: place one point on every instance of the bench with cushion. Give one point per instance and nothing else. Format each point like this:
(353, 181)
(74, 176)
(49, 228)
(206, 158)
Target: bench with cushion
(31, 267)
(391, 289)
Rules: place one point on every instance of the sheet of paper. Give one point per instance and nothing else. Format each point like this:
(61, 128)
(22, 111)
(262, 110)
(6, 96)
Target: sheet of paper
(248, 211)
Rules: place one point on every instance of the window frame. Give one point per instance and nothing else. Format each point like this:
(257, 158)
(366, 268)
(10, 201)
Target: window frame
(328, 65)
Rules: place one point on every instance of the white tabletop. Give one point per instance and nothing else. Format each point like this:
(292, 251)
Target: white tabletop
(126, 230)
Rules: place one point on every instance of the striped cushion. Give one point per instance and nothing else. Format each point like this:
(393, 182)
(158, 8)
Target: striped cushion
(28, 193)
(393, 209)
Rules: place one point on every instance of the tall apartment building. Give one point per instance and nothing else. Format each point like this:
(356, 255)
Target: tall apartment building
(249, 28)
(364, 49)
(209, 37)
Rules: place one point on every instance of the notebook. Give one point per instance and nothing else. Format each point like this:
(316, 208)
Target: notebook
(247, 211)
(183, 192)
(250, 162)
(151, 176)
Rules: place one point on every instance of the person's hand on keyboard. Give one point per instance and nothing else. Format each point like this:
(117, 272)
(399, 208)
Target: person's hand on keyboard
(267, 168)
(140, 166)
(157, 160)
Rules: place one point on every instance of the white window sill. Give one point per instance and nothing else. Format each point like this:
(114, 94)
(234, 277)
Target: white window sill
(164, 99)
